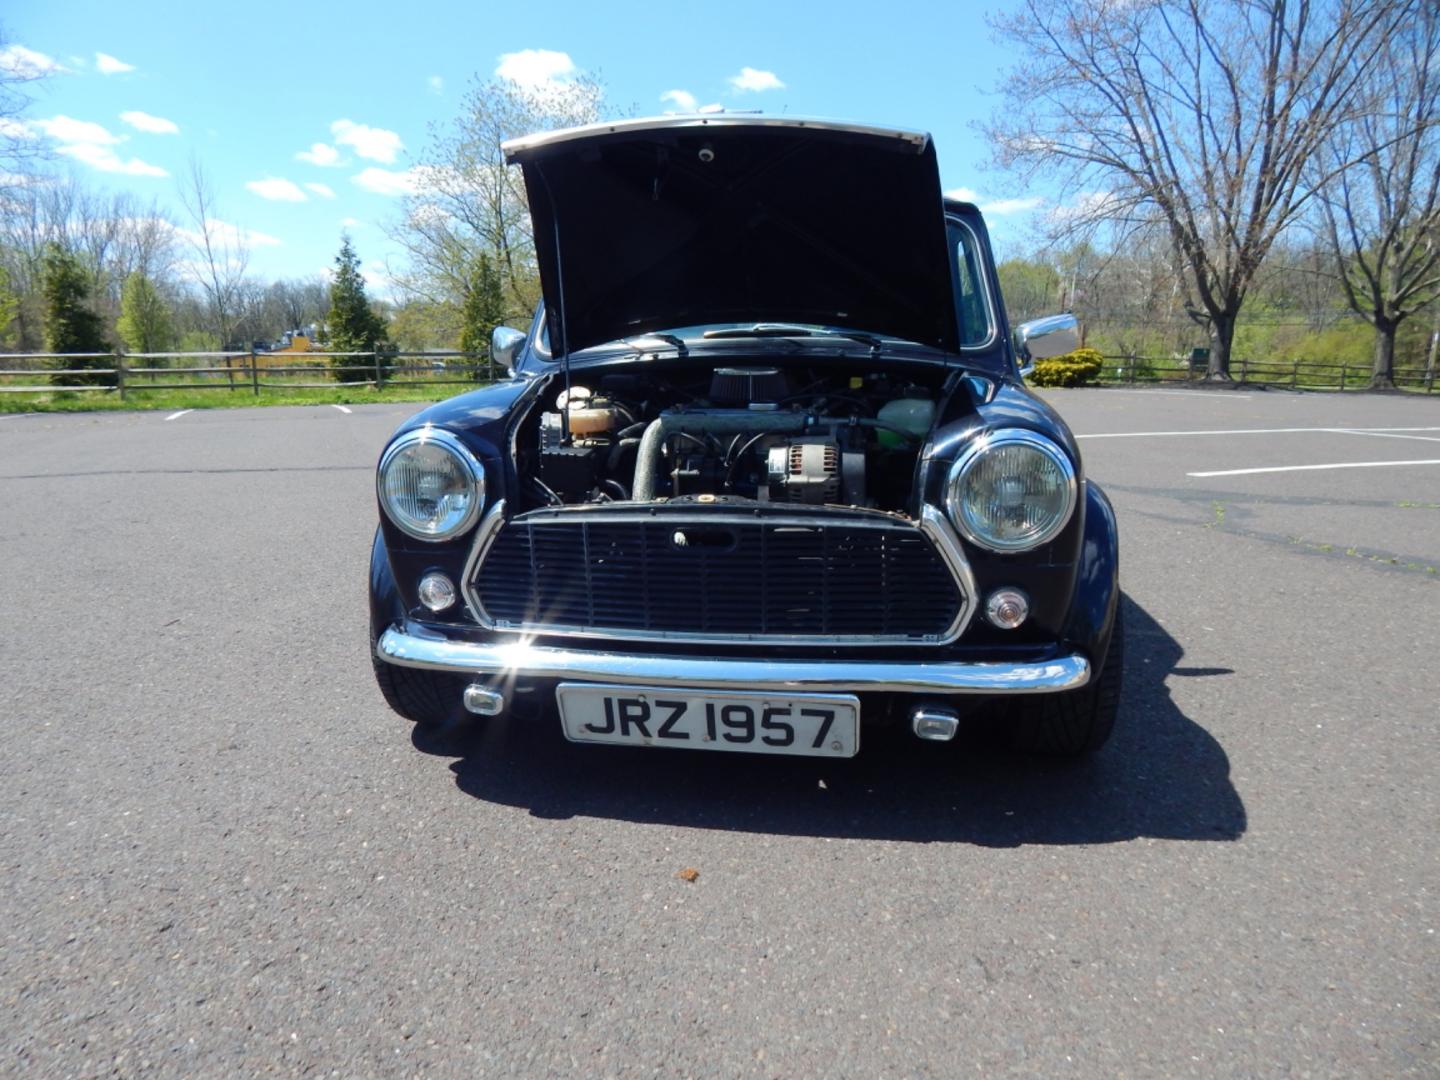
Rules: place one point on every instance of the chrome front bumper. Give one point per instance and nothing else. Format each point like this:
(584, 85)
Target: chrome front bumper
(516, 660)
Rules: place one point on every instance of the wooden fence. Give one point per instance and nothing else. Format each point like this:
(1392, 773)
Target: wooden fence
(237, 372)
(1287, 374)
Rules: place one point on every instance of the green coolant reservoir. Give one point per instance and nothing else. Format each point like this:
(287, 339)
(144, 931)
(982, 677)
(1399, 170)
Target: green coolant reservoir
(913, 415)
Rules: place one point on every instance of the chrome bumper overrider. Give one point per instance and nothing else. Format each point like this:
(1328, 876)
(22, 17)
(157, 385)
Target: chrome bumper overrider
(512, 660)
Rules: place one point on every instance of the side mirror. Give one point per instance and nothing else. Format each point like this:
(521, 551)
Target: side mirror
(505, 342)
(1040, 339)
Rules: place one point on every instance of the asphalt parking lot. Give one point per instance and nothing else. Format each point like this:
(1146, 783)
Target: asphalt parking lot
(223, 855)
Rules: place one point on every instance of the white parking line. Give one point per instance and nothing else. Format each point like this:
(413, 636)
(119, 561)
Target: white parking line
(175, 415)
(1387, 434)
(1250, 431)
(342, 408)
(1184, 393)
(1314, 468)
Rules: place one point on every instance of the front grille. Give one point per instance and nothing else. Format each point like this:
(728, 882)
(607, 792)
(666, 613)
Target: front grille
(704, 577)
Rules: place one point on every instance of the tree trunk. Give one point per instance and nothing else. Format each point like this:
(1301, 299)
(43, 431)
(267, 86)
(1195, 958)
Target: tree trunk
(1222, 334)
(1383, 376)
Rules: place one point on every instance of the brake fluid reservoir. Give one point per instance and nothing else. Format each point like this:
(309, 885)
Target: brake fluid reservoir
(911, 415)
(592, 421)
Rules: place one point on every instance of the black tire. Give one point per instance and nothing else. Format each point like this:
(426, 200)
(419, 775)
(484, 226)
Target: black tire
(1077, 722)
(431, 700)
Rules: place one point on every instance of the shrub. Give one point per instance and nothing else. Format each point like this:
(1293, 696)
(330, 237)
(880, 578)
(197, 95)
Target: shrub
(1078, 368)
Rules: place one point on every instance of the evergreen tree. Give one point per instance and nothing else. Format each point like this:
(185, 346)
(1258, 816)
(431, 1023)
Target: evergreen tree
(144, 318)
(484, 308)
(353, 325)
(70, 325)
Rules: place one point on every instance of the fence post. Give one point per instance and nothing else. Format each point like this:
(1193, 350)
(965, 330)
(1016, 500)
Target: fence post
(1244, 370)
(1344, 370)
(120, 372)
(379, 373)
(1295, 375)
(254, 373)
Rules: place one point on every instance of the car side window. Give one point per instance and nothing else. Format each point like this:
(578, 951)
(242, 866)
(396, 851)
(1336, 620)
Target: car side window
(970, 297)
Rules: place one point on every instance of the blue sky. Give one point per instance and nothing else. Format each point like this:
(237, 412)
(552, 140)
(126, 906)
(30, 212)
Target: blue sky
(306, 115)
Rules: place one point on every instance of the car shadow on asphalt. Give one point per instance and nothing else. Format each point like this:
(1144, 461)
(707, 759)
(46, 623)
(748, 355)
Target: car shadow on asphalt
(1161, 775)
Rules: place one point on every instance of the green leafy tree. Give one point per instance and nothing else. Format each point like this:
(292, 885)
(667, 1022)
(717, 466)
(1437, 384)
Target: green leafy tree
(353, 324)
(9, 304)
(467, 201)
(144, 317)
(484, 307)
(70, 324)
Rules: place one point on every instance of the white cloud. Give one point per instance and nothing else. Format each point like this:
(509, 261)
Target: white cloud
(681, 99)
(319, 154)
(15, 129)
(1088, 206)
(155, 125)
(387, 181)
(225, 235)
(69, 130)
(995, 207)
(91, 143)
(106, 160)
(19, 62)
(276, 189)
(108, 65)
(1000, 207)
(753, 80)
(436, 84)
(325, 191)
(376, 144)
(535, 68)
(350, 222)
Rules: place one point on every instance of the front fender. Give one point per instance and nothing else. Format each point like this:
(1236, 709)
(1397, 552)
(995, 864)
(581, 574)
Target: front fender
(386, 606)
(1097, 578)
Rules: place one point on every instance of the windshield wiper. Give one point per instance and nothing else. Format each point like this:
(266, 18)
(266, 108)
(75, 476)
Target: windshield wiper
(669, 339)
(765, 330)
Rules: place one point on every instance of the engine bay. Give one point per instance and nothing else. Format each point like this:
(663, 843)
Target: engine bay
(746, 431)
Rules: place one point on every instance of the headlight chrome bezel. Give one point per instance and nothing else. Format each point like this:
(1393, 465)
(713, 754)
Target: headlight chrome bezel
(468, 464)
(975, 453)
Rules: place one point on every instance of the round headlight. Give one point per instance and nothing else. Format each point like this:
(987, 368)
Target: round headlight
(430, 486)
(1011, 491)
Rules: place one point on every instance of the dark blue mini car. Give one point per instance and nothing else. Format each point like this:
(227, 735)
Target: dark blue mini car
(765, 474)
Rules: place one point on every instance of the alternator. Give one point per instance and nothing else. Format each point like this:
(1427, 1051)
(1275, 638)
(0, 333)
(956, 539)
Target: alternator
(804, 471)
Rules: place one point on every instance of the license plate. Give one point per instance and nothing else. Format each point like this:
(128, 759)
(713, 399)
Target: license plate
(813, 725)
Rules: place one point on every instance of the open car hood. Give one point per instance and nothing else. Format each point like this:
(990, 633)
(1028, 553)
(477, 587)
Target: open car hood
(649, 225)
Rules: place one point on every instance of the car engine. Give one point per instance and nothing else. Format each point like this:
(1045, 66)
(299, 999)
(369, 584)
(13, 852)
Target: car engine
(758, 432)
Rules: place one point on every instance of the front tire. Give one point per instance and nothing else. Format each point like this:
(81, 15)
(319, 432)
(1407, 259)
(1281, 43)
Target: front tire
(1074, 723)
(431, 700)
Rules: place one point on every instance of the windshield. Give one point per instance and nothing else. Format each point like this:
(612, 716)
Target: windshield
(972, 295)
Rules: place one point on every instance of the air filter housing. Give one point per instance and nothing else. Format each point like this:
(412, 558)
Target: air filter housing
(742, 387)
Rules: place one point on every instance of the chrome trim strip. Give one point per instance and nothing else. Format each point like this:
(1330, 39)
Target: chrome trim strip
(513, 148)
(937, 527)
(933, 524)
(519, 659)
(484, 537)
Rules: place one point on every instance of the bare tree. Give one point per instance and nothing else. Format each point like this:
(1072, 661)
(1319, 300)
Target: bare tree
(297, 303)
(1207, 113)
(1382, 214)
(468, 202)
(221, 252)
(19, 149)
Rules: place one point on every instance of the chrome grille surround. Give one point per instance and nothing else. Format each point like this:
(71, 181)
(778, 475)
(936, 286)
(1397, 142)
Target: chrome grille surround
(933, 527)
